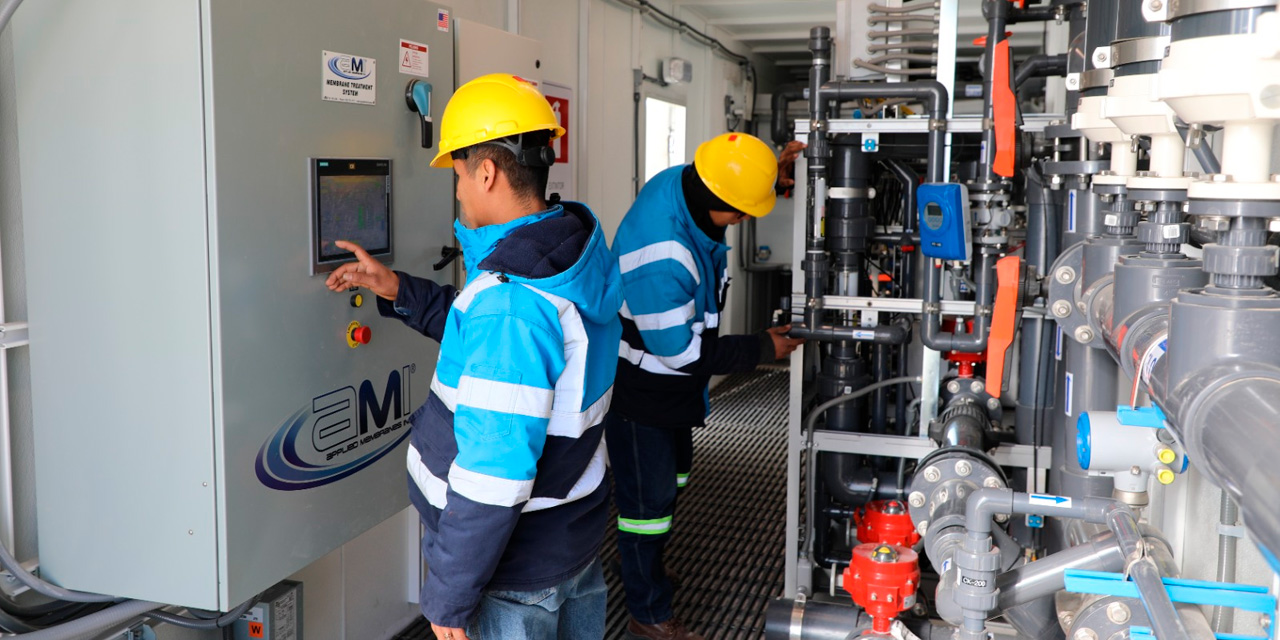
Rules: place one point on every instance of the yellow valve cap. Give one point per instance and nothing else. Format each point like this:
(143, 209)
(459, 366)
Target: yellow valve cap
(1167, 455)
(1165, 476)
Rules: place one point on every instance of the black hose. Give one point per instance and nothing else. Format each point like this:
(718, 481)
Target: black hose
(1039, 66)
(812, 419)
(221, 622)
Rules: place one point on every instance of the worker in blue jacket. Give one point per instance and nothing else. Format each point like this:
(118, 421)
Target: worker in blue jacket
(672, 255)
(507, 463)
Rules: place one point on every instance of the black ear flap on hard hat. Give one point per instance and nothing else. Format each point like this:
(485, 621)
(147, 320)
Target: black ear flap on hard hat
(536, 156)
(530, 149)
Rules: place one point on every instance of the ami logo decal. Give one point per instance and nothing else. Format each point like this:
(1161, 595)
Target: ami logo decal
(338, 434)
(349, 67)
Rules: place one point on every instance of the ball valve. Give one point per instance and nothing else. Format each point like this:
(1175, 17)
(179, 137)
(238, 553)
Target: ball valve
(883, 579)
(886, 522)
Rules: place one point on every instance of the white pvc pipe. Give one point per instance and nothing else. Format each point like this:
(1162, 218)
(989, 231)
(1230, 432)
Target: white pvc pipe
(1246, 150)
(1168, 155)
(1124, 160)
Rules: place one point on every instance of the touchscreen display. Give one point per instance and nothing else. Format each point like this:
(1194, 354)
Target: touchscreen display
(353, 203)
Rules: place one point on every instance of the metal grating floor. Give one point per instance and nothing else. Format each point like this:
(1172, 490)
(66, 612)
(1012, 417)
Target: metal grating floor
(730, 523)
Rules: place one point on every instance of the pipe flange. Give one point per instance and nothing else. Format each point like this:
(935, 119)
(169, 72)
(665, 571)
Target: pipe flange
(1106, 617)
(1233, 208)
(1242, 261)
(1158, 189)
(944, 479)
(1089, 333)
(969, 391)
(1110, 184)
(1223, 187)
(1065, 302)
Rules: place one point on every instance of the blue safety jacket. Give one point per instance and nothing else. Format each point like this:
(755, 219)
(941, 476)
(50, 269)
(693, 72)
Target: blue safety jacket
(675, 282)
(507, 463)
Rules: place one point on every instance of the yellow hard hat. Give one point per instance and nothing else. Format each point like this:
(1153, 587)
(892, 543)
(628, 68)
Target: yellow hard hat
(741, 170)
(491, 107)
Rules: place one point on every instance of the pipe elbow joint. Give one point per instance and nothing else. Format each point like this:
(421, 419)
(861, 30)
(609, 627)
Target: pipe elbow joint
(982, 505)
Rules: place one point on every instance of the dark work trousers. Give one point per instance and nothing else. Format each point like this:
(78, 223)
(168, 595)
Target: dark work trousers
(650, 465)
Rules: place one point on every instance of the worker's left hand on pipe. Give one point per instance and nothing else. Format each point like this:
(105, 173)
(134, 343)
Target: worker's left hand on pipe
(445, 633)
(787, 162)
(365, 272)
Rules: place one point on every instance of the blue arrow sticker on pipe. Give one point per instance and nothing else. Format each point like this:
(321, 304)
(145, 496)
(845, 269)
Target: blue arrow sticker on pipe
(1071, 211)
(1049, 501)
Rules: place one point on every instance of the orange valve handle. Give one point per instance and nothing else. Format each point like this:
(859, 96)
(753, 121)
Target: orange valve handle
(1005, 105)
(1004, 321)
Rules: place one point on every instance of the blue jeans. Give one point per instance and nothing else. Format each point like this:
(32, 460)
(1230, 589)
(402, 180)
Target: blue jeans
(571, 610)
(650, 465)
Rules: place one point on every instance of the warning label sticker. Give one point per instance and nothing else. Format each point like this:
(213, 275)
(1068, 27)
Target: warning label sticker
(285, 614)
(348, 78)
(413, 59)
(1146, 365)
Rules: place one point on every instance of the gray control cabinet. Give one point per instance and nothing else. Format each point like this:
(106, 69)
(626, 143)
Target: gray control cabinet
(203, 428)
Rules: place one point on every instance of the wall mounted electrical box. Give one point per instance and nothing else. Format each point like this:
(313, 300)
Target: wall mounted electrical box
(944, 221)
(677, 71)
(209, 418)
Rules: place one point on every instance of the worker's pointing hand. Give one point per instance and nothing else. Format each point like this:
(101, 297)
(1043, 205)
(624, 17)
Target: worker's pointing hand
(365, 272)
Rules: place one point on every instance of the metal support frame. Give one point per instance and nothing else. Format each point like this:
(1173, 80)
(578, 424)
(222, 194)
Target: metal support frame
(961, 124)
(13, 334)
(1006, 455)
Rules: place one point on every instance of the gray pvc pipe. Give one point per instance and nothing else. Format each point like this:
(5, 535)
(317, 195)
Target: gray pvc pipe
(985, 503)
(1036, 620)
(824, 621)
(931, 92)
(931, 322)
(93, 623)
(1044, 577)
(1166, 623)
(884, 334)
(782, 96)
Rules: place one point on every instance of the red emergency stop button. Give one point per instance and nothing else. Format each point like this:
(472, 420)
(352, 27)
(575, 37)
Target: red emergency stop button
(358, 334)
(361, 335)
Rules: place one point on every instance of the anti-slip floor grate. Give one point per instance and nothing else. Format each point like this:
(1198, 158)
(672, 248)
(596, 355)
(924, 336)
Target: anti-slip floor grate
(730, 523)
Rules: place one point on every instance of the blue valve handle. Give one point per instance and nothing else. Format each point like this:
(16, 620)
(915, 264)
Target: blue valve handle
(418, 97)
